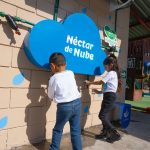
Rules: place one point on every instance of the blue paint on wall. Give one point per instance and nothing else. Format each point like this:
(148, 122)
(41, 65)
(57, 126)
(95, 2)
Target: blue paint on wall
(105, 87)
(18, 79)
(86, 109)
(100, 95)
(84, 10)
(110, 17)
(3, 122)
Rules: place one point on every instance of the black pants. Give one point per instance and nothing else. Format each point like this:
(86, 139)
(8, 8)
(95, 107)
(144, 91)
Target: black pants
(108, 102)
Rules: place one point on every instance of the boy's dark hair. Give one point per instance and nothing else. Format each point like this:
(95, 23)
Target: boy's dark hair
(58, 59)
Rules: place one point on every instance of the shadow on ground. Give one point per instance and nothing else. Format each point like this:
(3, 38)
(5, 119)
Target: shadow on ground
(135, 137)
(87, 139)
(140, 125)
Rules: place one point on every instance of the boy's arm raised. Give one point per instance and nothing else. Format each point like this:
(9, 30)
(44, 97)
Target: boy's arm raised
(50, 90)
(100, 82)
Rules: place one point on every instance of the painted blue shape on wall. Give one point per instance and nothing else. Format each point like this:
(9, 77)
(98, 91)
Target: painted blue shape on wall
(77, 37)
(119, 50)
(100, 95)
(105, 87)
(84, 10)
(86, 109)
(18, 79)
(110, 17)
(3, 122)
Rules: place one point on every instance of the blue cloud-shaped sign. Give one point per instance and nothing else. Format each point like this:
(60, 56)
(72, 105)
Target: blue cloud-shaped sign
(77, 38)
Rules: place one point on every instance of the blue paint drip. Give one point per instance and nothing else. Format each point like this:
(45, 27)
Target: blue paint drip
(18, 79)
(105, 87)
(110, 17)
(3, 122)
(86, 109)
(84, 10)
(119, 50)
(100, 95)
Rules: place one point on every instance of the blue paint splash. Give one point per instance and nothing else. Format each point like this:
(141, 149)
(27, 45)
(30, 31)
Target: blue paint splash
(105, 87)
(86, 109)
(110, 17)
(100, 95)
(18, 79)
(3, 122)
(84, 10)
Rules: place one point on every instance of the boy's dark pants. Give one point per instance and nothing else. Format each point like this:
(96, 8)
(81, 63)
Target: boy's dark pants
(107, 105)
(71, 112)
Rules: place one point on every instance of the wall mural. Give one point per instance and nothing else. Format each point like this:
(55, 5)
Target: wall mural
(77, 38)
(72, 38)
(84, 10)
(100, 95)
(86, 109)
(18, 79)
(3, 122)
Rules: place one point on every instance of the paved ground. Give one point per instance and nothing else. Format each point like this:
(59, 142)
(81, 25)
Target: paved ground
(136, 137)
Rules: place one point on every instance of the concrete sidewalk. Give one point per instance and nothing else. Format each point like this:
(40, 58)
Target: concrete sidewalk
(136, 137)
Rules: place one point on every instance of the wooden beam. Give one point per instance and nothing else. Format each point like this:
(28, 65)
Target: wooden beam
(137, 24)
(140, 37)
(140, 20)
(135, 13)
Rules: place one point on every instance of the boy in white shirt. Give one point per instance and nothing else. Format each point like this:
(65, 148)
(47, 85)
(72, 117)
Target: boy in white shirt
(63, 90)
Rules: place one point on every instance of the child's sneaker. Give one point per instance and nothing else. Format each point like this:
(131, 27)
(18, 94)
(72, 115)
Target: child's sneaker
(114, 136)
(102, 135)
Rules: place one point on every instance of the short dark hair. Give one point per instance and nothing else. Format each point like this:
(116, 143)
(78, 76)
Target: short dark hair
(58, 59)
(108, 61)
(112, 59)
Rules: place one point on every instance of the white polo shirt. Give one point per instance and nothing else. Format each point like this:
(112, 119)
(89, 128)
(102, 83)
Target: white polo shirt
(63, 88)
(111, 82)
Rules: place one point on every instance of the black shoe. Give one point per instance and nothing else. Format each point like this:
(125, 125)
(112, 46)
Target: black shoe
(114, 136)
(102, 135)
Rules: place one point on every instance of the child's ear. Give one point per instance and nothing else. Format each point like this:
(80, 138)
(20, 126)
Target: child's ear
(52, 66)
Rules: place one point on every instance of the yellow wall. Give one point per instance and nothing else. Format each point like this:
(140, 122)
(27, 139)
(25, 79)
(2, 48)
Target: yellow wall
(31, 116)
